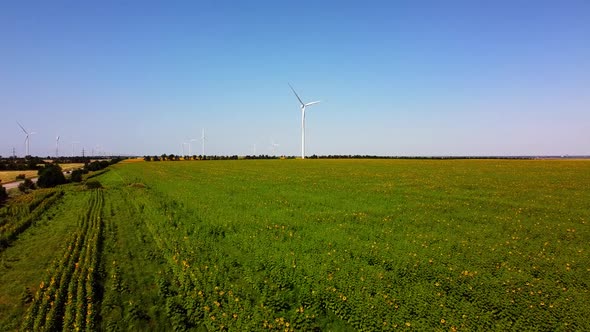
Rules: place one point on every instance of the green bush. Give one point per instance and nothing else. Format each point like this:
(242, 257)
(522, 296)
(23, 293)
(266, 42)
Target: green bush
(26, 185)
(3, 194)
(93, 184)
(50, 176)
(76, 175)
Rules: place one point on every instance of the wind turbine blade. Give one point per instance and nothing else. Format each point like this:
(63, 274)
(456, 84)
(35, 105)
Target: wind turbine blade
(21, 127)
(296, 95)
(312, 103)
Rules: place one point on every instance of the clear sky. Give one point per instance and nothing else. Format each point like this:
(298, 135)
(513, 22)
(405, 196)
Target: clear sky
(394, 77)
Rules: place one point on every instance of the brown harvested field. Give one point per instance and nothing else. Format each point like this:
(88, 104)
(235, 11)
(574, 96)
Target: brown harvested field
(10, 176)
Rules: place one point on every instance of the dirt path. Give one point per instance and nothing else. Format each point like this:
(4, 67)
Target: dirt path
(12, 185)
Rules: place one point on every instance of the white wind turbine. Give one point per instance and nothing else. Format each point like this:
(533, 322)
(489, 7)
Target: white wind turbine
(57, 146)
(27, 138)
(273, 146)
(182, 144)
(203, 138)
(303, 106)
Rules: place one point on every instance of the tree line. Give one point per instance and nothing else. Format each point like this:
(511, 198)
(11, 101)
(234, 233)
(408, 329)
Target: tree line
(51, 175)
(173, 157)
(36, 163)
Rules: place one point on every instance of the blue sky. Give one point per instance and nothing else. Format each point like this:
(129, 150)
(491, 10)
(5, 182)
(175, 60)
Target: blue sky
(394, 77)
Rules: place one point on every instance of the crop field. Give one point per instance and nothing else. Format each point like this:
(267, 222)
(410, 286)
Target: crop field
(251, 245)
(10, 176)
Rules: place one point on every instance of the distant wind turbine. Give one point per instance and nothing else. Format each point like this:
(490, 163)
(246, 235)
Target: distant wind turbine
(203, 139)
(303, 106)
(273, 146)
(57, 146)
(27, 138)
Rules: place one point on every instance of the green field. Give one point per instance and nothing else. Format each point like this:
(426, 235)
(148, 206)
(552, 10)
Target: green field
(305, 245)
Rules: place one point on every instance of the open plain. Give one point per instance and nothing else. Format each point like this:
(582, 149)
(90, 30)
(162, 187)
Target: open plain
(303, 245)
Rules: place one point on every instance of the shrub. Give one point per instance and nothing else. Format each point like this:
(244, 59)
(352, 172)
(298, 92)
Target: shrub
(3, 194)
(93, 184)
(76, 175)
(93, 166)
(20, 177)
(50, 176)
(29, 184)
(26, 185)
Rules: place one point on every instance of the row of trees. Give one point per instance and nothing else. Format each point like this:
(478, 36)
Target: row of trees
(52, 175)
(21, 164)
(36, 163)
(172, 157)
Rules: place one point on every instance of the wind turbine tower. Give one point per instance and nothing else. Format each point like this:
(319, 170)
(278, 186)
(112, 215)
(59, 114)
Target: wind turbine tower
(57, 146)
(27, 139)
(203, 138)
(303, 106)
(273, 146)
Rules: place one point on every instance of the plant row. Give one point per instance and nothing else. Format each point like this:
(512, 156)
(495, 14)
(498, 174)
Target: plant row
(16, 218)
(66, 298)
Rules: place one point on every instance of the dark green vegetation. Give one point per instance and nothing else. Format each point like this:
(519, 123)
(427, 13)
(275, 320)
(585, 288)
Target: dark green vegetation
(50, 176)
(17, 217)
(304, 245)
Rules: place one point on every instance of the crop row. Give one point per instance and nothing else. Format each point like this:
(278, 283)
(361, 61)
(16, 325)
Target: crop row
(17, 218)
(66, 298)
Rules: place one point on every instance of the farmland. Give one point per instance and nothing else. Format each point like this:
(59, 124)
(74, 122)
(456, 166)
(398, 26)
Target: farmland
(10, 176)
(304, 245)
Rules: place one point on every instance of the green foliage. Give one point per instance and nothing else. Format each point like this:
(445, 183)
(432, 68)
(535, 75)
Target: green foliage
(321, 245)
(21, 214)
(26, 185)
(3, 194)
(93, 184)
(367, 245)
(100, 164)
(66, 298)
(50, 176)
(76, 175)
